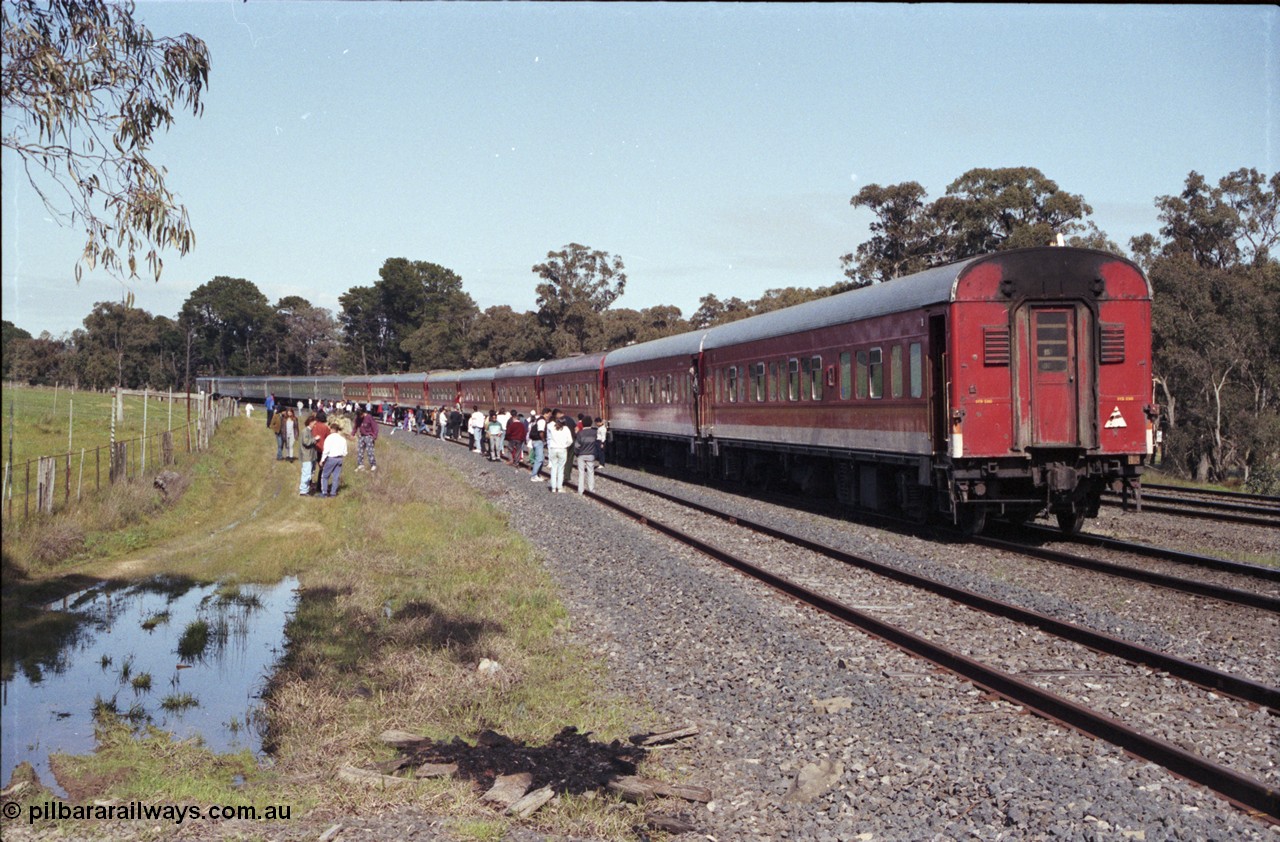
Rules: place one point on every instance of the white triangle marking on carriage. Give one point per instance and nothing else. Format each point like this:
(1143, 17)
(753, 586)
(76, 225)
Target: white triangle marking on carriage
(1116, 420)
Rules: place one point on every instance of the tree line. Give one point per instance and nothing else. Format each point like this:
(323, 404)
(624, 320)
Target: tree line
(1216, 313)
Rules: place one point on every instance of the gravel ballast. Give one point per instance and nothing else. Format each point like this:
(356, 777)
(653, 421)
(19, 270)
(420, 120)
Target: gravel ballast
(912, 753)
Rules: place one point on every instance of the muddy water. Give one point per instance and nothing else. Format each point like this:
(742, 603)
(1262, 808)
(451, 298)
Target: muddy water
(188, 657)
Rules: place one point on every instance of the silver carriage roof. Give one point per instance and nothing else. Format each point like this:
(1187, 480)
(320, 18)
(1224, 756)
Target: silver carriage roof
(932, 286)
(568, 365)
(679, 345)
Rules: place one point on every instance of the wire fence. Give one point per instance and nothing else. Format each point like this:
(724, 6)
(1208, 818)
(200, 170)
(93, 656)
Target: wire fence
(49, 484)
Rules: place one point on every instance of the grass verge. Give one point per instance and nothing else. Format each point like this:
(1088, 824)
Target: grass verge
(403, 589)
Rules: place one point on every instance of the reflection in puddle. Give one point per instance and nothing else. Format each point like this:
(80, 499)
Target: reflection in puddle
(189, 658)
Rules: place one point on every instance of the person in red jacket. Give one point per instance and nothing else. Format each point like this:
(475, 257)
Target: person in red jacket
(319, 431)
(516, 433)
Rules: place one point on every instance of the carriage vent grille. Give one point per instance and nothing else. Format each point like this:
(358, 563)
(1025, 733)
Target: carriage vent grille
(995, 345)
(1112, 344)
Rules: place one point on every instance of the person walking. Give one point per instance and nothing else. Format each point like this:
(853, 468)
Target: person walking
(335, 450)
(271, 408)
(307, 452)
(587, 445)
(559, 440)
(538, 441)
(367, 437)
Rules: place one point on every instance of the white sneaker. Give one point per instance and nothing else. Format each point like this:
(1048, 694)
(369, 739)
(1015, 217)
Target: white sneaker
(373, 467)
(359, 467)
(536, 479)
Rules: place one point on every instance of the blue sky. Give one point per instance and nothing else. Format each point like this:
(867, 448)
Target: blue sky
(713, 147)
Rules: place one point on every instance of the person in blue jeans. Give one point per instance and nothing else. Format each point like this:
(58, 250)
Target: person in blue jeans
(335, 450)
(538, 441)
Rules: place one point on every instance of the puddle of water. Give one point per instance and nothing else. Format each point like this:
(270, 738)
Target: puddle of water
(149, 648)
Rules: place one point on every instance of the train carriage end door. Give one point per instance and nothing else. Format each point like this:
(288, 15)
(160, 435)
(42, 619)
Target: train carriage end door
(938, 393)
(1055, 379)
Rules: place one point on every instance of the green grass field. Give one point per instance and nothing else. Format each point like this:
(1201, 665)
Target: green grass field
(42, 418)
(391, 622)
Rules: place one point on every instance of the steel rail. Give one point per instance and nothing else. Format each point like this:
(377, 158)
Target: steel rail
(1236, 596)
(1215, 505)
(1257, 571)
(1236, 495)
(1252, 795)
(1178, 511)
(1207, 677)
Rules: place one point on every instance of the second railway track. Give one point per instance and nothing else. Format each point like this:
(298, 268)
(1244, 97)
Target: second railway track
(1250, 781)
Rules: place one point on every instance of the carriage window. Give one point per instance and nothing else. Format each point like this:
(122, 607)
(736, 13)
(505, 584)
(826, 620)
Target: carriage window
(875, 369)
(793, 379)
(773, 381)
(861, 381)
(806, 373)
(653, 389)
(917, 371)
(1051, 340)
(815, 365)
(895, 371)
(846, 376)
(759, 390)
(731, 382)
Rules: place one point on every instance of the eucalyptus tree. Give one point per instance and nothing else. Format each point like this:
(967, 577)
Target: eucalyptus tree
(86, 90)
(578, 284)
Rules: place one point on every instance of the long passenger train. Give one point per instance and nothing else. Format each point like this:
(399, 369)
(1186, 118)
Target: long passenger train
(1010, 385)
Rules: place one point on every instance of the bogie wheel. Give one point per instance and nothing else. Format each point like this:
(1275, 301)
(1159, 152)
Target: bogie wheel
(1071, 522)
(973, 520)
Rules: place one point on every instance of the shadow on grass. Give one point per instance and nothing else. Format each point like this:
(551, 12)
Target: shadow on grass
(460, 638)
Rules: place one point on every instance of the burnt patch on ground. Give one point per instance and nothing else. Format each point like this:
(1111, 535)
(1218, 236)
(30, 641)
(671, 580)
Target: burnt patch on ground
(571, 762)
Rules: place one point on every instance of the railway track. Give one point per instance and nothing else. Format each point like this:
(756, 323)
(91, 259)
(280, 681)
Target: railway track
(1255, 795)
(1242, 496)
(1225, 593)
(1257, 511)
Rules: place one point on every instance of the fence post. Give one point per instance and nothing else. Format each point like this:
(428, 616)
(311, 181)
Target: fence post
(45, 473)
(66, 488)
(145, 400)
(26, 494)
(166, 448)
(119, 459)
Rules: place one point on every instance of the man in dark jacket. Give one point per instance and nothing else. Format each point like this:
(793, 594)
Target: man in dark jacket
(586, 446)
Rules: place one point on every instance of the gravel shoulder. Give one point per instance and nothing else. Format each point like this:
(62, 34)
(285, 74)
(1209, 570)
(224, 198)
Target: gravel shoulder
(921, 755)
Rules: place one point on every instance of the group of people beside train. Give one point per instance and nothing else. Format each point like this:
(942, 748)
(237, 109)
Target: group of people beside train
(322, 442)
(550, 437)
